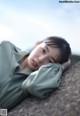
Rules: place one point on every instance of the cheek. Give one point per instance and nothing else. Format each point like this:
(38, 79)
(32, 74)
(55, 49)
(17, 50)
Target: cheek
(34, 53)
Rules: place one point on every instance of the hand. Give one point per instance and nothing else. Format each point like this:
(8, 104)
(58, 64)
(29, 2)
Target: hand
(66, 65)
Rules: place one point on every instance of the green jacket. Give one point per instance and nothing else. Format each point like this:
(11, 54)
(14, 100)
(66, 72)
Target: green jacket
(15, 85)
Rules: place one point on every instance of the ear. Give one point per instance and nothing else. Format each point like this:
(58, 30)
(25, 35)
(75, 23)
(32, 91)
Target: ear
(38, 42)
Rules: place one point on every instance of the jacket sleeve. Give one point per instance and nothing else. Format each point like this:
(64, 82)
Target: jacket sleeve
(42, 82)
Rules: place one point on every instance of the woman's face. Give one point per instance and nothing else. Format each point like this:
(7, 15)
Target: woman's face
(42, 54)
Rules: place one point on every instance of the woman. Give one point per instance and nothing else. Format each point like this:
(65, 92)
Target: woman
(36, 72)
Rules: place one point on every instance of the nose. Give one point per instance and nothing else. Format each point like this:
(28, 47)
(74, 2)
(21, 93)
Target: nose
(43, 59)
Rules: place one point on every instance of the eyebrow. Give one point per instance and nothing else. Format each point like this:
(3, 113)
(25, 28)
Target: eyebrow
(51, 57)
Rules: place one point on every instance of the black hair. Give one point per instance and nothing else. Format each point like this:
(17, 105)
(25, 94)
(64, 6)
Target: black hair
(62, 44)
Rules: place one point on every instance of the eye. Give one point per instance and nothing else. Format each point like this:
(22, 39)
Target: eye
(43, 50)
(49, 61)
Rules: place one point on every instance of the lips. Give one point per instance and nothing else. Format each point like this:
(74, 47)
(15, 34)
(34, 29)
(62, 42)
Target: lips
(34, 63)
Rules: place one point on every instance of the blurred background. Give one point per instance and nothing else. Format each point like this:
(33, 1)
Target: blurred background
(23, 22)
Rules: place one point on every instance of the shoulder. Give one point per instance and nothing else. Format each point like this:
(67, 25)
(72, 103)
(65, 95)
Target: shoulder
(6, 43)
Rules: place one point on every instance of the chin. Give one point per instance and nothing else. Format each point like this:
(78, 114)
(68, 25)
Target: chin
(32, 68)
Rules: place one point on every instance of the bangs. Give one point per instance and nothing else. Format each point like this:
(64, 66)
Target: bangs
(52, 44)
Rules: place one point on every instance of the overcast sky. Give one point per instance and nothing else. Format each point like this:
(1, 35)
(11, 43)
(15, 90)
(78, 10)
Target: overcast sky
(23, 22)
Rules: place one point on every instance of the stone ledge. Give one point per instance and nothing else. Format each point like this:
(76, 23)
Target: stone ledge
(65, 101)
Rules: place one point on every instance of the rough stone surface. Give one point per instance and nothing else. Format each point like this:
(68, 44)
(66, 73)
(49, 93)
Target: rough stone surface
(65, 101)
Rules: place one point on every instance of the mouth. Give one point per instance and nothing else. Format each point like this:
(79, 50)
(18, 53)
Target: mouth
(34, 63)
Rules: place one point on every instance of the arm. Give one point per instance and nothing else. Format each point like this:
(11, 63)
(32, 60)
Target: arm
(42, 82)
